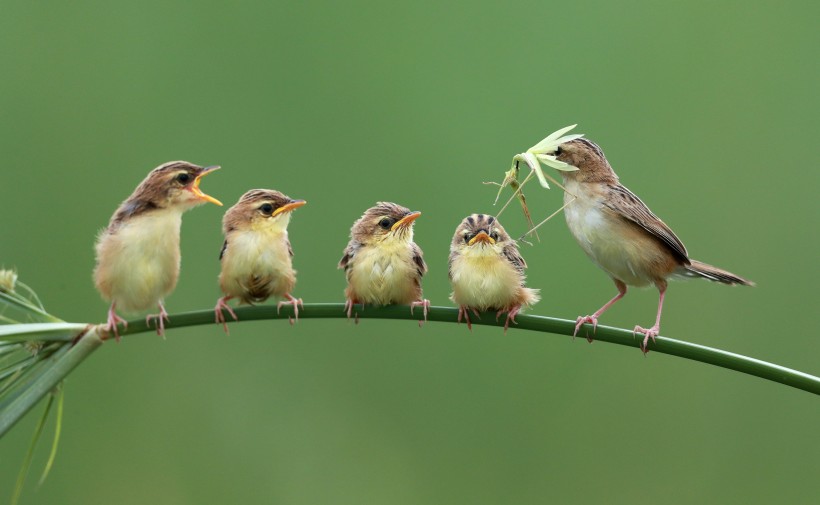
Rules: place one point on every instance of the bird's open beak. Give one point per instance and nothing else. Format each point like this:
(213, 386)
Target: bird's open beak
(198, 192)
(405, 221)
(292, 205)
(481, 237)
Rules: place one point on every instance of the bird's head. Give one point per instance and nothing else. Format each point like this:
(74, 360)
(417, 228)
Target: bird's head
(384, 221)
(480, 234)
(261, 209)
(175, 184)
(587, 157)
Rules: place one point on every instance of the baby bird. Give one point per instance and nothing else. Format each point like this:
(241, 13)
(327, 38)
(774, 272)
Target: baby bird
(487, 271)
(256, 255)
(382, 264)
(138, 253)
(621, 235)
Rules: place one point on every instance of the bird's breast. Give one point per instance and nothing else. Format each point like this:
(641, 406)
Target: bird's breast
(257, 260)
(384, 274)
(619, 247)
(483, 279)
(138, 264)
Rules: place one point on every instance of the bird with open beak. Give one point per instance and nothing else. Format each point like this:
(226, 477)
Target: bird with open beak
(487, 271)
(257, 258)
(382, 264)
(138, 253)
(619, 232)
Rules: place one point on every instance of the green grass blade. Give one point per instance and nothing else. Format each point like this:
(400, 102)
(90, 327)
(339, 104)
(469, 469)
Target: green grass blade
(21, 477)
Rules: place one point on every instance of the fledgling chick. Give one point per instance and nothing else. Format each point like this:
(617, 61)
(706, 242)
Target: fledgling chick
(382, 264)
(256, 255)
(621, 235)
(487, 271)
(138, 253)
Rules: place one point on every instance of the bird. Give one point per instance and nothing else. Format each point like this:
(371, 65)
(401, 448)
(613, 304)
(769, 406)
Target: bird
(382, 264)
(256, 256)
(621, 235)
(486, 270)
(137, 255)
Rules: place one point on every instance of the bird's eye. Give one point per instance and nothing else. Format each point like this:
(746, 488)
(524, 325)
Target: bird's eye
(386, 223)
(558, 151)
(466, 237)
(494, 235)
(184, 178)
(266, 208)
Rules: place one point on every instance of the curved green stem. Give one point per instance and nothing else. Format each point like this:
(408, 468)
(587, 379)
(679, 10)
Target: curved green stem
(50, 372)
(544, 324)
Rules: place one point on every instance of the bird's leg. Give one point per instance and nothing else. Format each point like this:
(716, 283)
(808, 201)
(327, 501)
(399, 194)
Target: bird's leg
(349, 303)
(424, 304)
(655, 330)
(464, 312)
(114, 320)
(510, 316)
(594, 317)
(295, 302)
(161, 319)
(220, 317)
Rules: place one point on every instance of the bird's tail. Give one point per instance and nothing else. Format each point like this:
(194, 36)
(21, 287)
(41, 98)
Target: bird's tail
(698, 269)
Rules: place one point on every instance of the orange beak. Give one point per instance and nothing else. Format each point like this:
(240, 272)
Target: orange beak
(292, 205)
(198, 192)
(481, 237)
(405, 221)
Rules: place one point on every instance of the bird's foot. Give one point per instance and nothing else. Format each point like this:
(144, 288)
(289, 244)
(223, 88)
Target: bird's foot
(510, 316)
(424, 304)
(647, 333)
(593, 319)
(160, 318)
(113, 321)
(464, 312)
(349, 309)
(220, 317)
(295, 302)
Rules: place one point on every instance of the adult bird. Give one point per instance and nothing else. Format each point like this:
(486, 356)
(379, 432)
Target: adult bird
(620, 234)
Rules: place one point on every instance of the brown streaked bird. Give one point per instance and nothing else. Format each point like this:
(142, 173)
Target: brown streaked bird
(382, 264)
(138, 253)
(621, 235)
(487, 271)
(257, 259)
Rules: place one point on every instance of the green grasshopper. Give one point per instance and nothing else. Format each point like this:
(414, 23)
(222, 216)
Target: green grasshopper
(540, 153)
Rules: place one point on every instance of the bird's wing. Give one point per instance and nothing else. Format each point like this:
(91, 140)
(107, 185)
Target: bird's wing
(626, 204)
(290, 247)
(350, 252)
(222, 252)
(513, 256)
(418, 259)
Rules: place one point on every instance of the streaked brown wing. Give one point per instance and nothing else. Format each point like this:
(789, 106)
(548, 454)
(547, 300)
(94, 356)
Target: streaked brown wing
(418, 259)
(626, 204)
(514, 257)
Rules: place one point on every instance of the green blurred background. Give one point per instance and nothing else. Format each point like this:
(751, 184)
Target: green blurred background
(708, 111)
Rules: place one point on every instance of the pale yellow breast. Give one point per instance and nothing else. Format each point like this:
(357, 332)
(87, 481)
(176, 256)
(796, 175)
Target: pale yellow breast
(261, 253)
(139, 264)
(384, 274)
(483, 279)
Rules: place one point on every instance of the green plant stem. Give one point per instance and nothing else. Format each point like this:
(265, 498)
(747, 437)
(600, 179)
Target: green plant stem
(49, 373)
(544, 324)
(54, 369)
